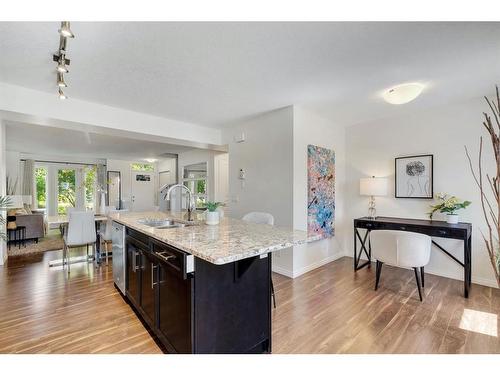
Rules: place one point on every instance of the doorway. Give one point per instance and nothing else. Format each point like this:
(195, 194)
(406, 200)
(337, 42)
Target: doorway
(143, 190)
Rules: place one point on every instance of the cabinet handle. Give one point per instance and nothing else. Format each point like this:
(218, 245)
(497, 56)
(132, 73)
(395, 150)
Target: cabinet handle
(153, 275)
(134, 262)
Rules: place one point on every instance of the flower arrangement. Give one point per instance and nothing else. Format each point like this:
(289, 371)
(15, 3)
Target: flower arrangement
(212, 206)
(448, 204)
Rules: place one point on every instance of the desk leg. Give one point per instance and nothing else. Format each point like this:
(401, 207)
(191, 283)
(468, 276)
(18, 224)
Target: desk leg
(368, 253)
(355, 250)
(467, 266)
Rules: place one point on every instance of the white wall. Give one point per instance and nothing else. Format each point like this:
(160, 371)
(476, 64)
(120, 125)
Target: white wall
(13, 168)
(3, 176)
(311, 129)
(123, 166)
(443, 132)
(266, 156)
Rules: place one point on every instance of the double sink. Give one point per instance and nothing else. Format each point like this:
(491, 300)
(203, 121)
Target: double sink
(163, 223)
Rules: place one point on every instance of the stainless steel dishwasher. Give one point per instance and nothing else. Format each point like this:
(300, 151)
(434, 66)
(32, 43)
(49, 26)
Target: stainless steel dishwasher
(119, 254)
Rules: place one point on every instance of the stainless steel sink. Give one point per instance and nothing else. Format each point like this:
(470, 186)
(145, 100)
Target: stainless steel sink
(162, 223)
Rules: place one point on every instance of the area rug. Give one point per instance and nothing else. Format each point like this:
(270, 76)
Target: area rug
(52, 241)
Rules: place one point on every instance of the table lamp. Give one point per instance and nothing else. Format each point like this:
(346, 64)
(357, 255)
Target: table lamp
(372, 187)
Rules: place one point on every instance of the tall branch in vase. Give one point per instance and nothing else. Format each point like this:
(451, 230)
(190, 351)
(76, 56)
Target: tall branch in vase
(489, 185)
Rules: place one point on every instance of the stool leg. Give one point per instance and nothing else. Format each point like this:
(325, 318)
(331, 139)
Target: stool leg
(422, 276)
(378, 271)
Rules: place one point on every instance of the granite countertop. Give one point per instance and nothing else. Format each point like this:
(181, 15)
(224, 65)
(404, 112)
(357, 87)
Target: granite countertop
(227, 242)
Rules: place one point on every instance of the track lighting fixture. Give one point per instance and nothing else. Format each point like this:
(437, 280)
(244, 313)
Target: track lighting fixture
(62, 62)
(60, 80)
(65, 31)
(62, 96)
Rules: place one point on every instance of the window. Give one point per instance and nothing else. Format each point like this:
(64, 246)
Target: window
(195, 178)
(66, 197)
(89, 178)
(41, 187)
(143, 167)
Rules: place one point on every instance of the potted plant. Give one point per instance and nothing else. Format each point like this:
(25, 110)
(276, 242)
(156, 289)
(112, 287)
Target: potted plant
(448, 205)
(4, 204)
(211, 214)
(488, 183)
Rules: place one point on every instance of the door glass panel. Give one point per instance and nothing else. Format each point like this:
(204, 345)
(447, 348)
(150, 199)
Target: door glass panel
(90, 187)
(195, 178)
(66, 197)
(41, 187)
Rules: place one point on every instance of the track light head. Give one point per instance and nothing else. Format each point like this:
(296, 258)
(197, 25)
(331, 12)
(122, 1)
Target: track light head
(63, 42)
(60, 80)
(61, 66)
(62, 96)
(65, 31)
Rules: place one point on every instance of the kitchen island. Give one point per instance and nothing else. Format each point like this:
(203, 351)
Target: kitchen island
(202, 288)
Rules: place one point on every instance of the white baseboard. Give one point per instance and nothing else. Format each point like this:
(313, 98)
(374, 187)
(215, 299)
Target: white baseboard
(296, 273)
(283, 271)
(451, 275)
(322, 262)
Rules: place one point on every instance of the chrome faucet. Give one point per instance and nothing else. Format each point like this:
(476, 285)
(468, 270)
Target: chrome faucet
(191, 205)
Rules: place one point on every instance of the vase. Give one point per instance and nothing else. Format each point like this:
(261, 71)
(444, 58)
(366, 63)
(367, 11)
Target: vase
(102, 206)
(211, 218)
(452, 218)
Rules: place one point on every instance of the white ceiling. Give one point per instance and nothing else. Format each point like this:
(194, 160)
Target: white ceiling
(65, 142)
(214, 73)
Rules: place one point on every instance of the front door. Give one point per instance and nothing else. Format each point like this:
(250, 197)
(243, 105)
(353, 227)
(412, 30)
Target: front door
(143, 191)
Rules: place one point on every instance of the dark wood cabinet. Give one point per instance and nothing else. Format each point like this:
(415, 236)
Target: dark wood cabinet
(149, 277)
(132, 283)
(175, 308)
(194, 306)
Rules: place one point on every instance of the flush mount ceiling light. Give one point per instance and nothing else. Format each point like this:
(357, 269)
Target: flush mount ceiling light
(65, 31)
(404, 93)
(151, 160)
(62, 62)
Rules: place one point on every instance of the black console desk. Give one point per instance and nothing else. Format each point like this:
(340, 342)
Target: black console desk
(433, 228)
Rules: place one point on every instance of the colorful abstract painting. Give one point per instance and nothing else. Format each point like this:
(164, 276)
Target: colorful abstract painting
(321, 191)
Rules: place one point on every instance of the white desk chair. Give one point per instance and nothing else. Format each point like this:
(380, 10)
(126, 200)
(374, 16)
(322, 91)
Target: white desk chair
(81, 232)
(259, 218)
(262, 218)
(401, 249)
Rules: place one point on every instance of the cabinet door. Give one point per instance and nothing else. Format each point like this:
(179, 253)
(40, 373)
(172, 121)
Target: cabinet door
(175, 307)
(133, 273)
(149, 278)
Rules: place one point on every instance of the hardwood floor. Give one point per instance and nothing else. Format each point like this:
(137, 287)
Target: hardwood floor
(329, 310)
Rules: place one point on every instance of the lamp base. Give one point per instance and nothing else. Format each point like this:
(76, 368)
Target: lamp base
(372, 211)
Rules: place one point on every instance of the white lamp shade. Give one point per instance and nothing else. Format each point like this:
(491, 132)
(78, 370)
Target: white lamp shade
(375, 186)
